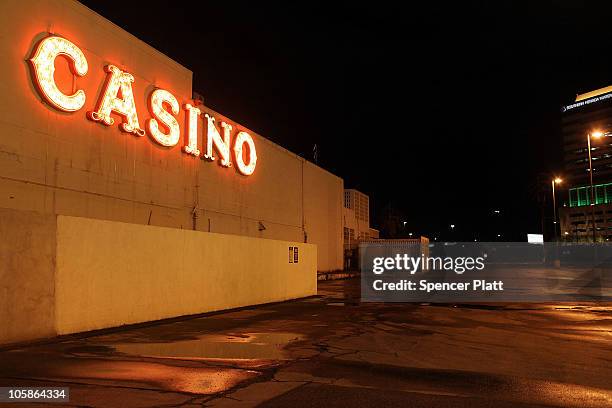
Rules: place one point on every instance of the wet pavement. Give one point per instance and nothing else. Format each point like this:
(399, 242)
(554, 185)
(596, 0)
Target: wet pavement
(332, 350)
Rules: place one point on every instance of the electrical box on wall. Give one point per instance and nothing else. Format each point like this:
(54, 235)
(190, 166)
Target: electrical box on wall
(293, 254)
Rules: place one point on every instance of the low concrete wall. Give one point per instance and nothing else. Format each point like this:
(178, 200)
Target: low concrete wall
(110, 273)
(64, 274)
(27, 265)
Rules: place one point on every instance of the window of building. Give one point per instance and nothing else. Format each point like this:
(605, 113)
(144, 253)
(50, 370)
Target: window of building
(349, 235)
(347, 199)
(581, 196)
(362, 207)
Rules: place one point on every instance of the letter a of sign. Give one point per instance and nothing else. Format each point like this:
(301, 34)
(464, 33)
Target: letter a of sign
(109, 101)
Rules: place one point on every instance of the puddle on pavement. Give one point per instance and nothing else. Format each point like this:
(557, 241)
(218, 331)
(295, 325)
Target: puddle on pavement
(244, 346)
(348, 302)
(590, 309)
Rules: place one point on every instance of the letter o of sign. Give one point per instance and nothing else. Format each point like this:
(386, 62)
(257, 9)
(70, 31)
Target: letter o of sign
(243, 138)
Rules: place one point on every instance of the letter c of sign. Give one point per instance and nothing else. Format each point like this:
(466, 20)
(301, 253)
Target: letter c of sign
(43, 63)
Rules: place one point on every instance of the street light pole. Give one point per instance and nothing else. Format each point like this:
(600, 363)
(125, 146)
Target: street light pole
(595, 134)
(554, 181)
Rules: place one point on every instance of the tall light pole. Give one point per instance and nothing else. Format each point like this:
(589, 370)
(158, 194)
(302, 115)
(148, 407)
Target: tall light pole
(596, 134)
(554, 181)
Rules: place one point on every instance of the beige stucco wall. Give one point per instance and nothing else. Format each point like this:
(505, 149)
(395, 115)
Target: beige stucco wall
(27, 265)
(110, 273)
(61, 163)
(61, 275)
(323, 195)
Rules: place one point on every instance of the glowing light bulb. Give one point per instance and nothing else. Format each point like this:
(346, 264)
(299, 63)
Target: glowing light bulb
(156, 106)
(192, 130)
(109, 101)
(243, 138)
(43, 63)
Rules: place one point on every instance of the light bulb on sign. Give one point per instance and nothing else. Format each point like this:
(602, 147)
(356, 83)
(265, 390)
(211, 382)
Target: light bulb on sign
(43, 63)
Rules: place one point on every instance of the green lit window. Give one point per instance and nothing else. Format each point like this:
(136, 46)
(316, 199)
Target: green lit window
(599, 195)
(573, 197)
(582, 200)
(580, 196)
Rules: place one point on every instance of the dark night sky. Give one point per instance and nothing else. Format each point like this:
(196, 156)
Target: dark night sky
(446, 111)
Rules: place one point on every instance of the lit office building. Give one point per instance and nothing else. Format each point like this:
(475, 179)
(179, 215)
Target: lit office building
(590, 114)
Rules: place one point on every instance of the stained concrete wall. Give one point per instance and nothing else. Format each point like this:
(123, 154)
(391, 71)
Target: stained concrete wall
(61, 275)
(111, 273)
(27, 267)
(61, 163)
(323, 195)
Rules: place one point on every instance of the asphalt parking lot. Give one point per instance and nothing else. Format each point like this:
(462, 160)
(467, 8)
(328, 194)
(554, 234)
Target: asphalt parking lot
(332, 350)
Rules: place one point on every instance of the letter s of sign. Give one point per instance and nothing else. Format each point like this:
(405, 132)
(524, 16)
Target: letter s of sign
(156, 101)
(43, 64)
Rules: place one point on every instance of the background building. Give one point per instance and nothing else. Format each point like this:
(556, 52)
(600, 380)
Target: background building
(356, 217)
(356, 221)
(590, 111)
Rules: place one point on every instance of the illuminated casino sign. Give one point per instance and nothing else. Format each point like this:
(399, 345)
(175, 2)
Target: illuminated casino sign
(117, 98)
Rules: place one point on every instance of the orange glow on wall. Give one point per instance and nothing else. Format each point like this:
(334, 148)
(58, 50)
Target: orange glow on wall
(159, 114)
(117, 80)
(43, 64)
(243, 138)
(192, 130)
(222, 144)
